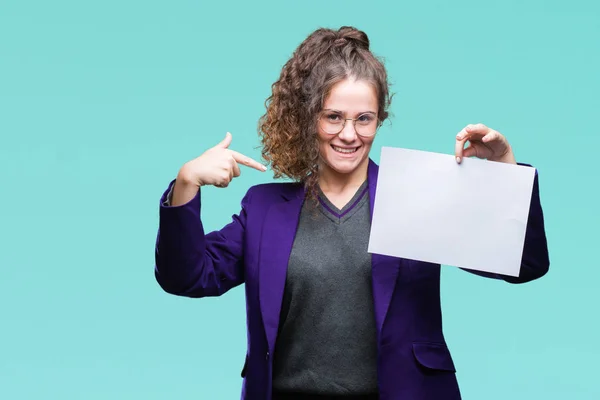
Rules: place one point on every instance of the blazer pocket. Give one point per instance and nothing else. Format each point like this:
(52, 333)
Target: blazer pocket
(244, 367)
(433, 356)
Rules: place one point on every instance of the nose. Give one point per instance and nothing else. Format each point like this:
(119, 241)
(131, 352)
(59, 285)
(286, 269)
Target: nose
(348, 134)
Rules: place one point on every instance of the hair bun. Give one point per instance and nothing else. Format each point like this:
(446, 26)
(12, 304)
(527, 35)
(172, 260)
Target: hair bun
(350, 35)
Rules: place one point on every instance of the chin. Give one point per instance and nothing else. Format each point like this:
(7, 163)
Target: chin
(347, 166)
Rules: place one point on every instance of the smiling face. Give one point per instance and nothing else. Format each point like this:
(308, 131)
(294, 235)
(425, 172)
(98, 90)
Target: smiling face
(347, 153)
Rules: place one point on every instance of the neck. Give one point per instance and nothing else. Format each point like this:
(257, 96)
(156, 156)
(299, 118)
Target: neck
(333, 181)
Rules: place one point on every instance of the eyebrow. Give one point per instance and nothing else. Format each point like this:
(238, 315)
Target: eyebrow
(341, 112)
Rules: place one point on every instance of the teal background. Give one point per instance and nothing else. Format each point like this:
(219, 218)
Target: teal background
(102, 102)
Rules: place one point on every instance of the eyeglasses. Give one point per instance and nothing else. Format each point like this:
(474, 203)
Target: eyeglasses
(333, 122)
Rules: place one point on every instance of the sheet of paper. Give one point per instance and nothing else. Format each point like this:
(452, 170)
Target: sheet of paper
(430, 208)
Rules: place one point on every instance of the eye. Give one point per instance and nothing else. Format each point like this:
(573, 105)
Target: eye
(333, 117)
(365, 119)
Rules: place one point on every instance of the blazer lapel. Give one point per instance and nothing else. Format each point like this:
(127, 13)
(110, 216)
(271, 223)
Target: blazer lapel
(384, 268)
(279, 230)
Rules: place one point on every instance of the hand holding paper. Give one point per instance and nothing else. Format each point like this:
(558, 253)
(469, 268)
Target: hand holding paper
(471, 215)
(485, 143)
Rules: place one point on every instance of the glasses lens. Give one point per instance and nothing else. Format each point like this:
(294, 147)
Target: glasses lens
(366, 124)
(331, 123)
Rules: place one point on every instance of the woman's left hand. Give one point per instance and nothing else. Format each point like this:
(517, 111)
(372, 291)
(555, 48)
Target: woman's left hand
(485, 143)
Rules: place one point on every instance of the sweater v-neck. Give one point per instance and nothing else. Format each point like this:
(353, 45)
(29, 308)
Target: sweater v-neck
(339, 215)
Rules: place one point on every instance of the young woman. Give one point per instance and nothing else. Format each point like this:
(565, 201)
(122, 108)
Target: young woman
(325, 318)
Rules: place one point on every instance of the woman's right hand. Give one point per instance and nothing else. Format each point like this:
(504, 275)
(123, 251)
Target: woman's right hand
(216, 166)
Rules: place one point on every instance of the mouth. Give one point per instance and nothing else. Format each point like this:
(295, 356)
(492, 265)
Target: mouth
(345, 150)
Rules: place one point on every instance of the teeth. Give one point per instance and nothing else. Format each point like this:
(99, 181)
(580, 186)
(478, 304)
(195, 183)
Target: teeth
(341, 150)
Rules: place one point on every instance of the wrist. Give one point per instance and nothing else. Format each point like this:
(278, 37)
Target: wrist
(186, 178)
(184, 190)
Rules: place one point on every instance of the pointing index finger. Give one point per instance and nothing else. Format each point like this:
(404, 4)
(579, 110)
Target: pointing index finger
(247, 161)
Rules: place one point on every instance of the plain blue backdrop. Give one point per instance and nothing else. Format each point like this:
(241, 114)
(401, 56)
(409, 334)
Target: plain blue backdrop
(102, 102)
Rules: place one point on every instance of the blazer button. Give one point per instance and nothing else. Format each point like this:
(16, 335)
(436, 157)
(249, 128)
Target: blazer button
(267, 356)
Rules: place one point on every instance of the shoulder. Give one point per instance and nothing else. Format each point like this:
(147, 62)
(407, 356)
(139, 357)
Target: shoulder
(274, 191)
(265, 194)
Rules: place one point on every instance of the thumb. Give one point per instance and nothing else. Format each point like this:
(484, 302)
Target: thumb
(225, 142)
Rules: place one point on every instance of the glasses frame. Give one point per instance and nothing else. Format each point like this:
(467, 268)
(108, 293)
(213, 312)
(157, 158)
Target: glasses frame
(349, 119)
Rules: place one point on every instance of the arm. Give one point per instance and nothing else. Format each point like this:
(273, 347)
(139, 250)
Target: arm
(535, 261)
(194, 264)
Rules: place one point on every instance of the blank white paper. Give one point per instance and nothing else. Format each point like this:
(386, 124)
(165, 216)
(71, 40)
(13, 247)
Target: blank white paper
(471, 215)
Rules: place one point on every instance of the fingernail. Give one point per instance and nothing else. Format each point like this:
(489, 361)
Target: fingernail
(458, 160)
(459, 136)
(264, 167)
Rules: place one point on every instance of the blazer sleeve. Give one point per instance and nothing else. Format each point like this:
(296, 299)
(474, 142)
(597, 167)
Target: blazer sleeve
(535, 261)
(189, 262)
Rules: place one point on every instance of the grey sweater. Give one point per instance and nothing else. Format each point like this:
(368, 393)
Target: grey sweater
(327, 333)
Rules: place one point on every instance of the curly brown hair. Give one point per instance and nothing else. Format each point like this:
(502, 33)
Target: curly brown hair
(288, 129)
